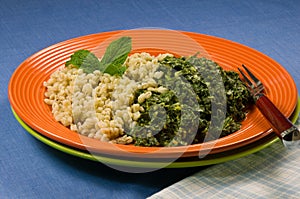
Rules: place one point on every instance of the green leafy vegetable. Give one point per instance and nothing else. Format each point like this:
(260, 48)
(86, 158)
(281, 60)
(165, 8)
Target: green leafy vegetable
(238, 98)
(175, 127)
(112, 61)
(145, 133)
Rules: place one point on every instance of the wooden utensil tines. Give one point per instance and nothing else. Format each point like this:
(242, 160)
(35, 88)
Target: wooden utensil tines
(282, 126)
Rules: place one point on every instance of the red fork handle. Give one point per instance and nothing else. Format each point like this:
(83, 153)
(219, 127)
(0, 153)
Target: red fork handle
(279, 122)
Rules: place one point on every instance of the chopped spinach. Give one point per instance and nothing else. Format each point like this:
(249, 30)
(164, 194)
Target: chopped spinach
(176, 130)
(144, 134)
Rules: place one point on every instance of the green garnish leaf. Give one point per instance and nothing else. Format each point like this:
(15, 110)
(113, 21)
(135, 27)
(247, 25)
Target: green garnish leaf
(85, 60)
(112, 61)
(115, 56)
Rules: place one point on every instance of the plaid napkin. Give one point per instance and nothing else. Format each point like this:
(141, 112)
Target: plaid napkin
(273, 172)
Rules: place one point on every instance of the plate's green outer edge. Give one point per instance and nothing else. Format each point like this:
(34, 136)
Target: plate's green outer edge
(142, 164)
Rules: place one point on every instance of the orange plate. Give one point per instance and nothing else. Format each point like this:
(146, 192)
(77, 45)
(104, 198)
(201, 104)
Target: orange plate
(26, 90)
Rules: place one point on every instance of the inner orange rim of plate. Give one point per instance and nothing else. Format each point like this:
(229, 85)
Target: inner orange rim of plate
(26, 94)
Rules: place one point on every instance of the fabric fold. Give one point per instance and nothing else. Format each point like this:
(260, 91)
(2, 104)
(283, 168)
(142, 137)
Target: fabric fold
(273, 172)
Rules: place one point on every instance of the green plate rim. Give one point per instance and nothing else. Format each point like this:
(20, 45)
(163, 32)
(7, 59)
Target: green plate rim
(148, 164)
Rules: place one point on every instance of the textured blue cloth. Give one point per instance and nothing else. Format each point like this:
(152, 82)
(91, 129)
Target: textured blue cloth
(30, 169)
(271, 173)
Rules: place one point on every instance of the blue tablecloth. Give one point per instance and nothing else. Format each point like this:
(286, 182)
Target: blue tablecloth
(30, 169)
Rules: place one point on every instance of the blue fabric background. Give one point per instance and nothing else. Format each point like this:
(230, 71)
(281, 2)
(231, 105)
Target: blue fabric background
(30, 169)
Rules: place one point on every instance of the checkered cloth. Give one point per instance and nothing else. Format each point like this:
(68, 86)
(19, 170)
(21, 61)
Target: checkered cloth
(273, 172)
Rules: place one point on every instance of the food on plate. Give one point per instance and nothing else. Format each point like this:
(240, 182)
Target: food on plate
(137, 98)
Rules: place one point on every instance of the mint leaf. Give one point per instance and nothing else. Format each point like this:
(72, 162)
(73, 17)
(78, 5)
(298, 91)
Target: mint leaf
(85, 60)
(112, 61)
(90, 63)
(115, 56)
(77, 58)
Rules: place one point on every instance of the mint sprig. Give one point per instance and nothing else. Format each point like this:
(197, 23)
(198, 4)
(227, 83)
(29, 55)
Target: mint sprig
(112, 62)
(115, 56)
